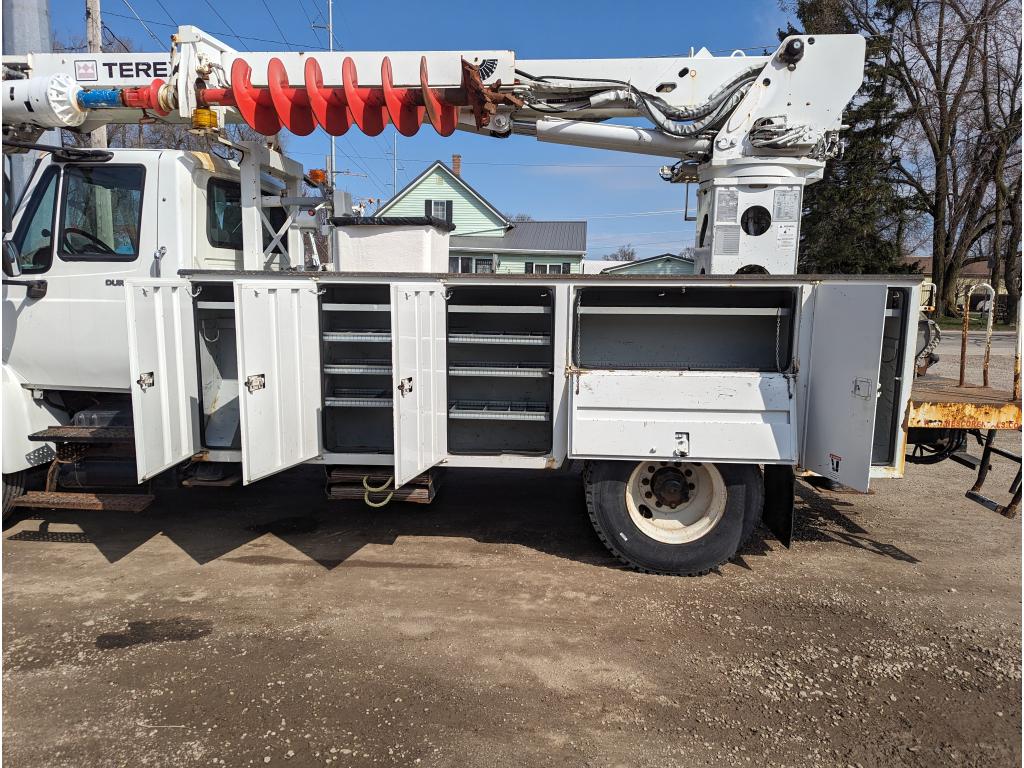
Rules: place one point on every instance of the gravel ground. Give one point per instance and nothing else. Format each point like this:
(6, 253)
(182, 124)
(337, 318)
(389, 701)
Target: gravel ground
(266, 626)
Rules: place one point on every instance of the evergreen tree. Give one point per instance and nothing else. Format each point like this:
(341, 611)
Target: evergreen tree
(854, 218)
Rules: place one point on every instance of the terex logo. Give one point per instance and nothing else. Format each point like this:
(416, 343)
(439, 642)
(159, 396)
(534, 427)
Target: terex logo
(88, 70)
(136, 68)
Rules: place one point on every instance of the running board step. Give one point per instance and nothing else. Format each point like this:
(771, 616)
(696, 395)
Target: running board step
(105, 502)
(72, 434)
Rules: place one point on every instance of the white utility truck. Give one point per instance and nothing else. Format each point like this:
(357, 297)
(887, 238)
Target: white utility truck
(159, 314)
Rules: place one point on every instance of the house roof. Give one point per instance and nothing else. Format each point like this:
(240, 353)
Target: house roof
(974, 270)
(568, 237)
(391, 221)
(437, 164)
(661, 257)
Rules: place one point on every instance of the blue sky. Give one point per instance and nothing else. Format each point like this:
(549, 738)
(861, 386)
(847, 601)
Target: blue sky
(517, 174)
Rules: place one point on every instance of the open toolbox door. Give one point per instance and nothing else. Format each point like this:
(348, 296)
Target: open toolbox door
(165, 385)
(420, 374)
(842, 389)
(278, 327)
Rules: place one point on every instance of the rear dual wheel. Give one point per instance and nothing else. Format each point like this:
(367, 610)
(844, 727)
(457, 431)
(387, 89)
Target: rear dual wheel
(673, 517)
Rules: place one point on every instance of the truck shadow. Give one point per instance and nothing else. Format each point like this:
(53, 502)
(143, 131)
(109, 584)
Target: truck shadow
(543, 511)
(819, 517)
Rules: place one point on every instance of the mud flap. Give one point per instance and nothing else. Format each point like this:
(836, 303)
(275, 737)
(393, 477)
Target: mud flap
(779, 480)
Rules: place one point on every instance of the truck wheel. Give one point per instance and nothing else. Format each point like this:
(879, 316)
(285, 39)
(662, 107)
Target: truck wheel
(14, 486)
(678, 518)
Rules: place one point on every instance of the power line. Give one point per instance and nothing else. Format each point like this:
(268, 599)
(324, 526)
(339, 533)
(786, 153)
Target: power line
(139, 19)
(225, 23)
(507, 165)
(631, 215)
(221, 32)
(312, 26)
(273, 19)
(330, 31)
(166, 12)
(115, 38)
(365, 167)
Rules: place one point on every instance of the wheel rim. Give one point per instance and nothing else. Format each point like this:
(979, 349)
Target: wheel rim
(675, 502)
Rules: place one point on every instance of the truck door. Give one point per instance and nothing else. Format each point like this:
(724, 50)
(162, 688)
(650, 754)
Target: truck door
(82, 233)
(842, 388)
(162, 362)
(418, 338)
(278, 327)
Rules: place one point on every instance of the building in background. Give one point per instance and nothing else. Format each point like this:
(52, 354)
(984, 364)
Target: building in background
(484, 239)
(663, 264)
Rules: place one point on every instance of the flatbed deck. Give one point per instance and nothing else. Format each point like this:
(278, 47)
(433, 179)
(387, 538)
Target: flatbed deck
(938, 403)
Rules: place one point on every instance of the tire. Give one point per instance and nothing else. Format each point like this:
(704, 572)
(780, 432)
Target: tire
(698, 535)
(14, 486)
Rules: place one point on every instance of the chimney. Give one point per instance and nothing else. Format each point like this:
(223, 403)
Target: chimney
(457, 165)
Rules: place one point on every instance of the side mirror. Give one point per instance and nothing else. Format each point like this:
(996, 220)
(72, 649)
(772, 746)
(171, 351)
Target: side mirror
(12, 268)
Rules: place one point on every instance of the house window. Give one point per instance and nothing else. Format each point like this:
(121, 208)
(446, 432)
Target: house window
(566, 268)
(460, 264)
(485, 265)
(528, 269)
(438, 209)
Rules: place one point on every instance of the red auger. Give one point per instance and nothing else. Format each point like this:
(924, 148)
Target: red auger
(301, 109)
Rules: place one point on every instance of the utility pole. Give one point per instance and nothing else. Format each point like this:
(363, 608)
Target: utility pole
(26, 29)
(330, 47)
(394, 166)
(94, 39)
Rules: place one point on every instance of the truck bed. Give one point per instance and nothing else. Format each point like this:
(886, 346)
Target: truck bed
(939, 403)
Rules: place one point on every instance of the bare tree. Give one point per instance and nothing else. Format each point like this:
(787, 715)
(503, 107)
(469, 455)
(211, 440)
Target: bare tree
(1001, 111)
(947, 158)
(622, 253)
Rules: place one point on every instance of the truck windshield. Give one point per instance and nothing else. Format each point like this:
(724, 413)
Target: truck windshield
(34, 236)
(102, 212)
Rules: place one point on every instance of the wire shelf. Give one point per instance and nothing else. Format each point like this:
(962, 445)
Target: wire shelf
(331, 307)
(360, 368)
(358, 398)
(368, 337)
(533, 339)
(495, 410)
(706, 311)
(479, 309)
(512, 370)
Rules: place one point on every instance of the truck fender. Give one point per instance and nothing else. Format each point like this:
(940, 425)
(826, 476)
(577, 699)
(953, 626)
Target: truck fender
(23, 415)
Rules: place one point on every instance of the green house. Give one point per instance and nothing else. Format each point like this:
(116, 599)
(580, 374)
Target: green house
(484, 239)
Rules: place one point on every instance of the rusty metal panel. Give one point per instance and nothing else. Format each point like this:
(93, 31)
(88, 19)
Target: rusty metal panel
(964, 415)
(107, 502)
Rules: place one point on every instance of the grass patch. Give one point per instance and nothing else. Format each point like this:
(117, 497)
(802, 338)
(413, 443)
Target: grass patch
(978, 322)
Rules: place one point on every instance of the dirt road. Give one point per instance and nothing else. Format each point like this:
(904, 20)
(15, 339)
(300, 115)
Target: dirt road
(266, 626)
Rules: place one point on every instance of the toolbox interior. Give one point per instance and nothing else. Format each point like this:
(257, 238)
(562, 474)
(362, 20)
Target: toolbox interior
(356, 359)
(500, 359)
(684, 328)
(218, 366)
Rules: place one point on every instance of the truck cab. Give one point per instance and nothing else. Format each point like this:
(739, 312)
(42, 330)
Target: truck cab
(85, 225)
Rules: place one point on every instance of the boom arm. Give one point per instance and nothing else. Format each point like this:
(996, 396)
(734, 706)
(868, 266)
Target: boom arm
(737, 124)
